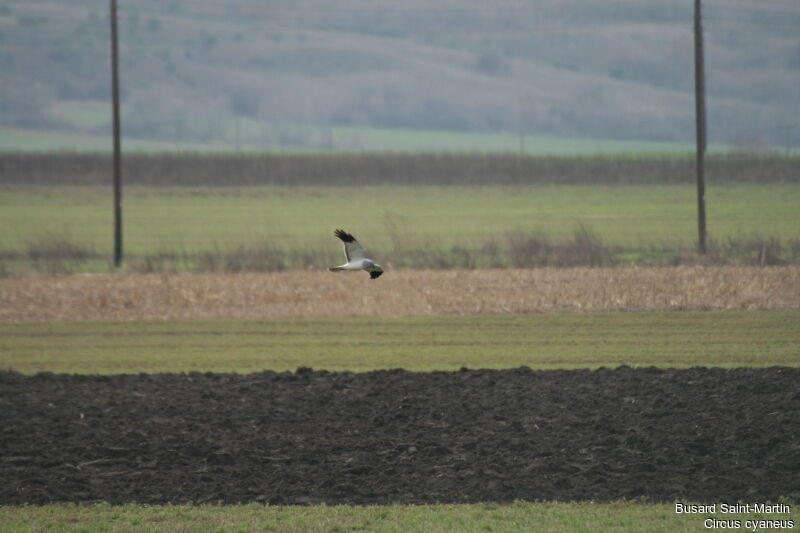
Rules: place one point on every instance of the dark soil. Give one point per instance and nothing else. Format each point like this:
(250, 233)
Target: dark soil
(396, 436)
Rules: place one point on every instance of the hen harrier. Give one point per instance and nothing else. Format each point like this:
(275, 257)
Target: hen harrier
(356, 258)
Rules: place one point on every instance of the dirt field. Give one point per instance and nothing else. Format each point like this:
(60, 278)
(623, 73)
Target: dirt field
(398, 293)
(704, 435)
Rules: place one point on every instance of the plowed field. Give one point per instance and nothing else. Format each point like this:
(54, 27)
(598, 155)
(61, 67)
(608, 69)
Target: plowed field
(396, 436)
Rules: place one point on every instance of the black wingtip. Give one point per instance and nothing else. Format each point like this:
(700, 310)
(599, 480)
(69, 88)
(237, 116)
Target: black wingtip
(344, 236)
(375, 274)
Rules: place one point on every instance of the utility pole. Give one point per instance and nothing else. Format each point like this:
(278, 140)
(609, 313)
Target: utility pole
(117, 148)
(700, 116)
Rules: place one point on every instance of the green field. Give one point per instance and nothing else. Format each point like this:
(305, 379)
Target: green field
(251, 136)
(14, 139)
(616, 517)
(564, 340)
(298, 221)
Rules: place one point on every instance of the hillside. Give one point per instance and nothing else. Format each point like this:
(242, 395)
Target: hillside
(274, 74)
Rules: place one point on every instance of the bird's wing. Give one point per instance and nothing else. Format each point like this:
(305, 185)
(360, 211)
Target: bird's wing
(352, 248)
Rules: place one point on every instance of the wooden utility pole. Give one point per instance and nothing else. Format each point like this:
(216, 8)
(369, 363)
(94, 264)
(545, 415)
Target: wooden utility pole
(700, 116)
(117, 148)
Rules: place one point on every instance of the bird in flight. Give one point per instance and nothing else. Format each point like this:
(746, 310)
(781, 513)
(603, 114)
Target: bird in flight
(356, 256)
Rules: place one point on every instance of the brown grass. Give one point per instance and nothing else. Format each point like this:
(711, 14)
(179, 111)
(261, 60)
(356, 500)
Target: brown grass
(313, 294)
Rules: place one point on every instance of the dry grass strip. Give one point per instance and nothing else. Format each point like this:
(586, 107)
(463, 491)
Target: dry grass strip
(291, 295)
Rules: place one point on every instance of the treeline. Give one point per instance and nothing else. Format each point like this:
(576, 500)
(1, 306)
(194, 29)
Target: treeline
(202, 169)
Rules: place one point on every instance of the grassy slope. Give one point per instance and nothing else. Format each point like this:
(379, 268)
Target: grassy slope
(202, 219)
(569, 340)
(589, 64)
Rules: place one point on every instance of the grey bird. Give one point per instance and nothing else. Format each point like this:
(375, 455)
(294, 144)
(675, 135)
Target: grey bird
(356, 256)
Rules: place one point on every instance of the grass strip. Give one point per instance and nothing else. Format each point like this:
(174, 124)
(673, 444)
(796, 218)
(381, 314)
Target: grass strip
(617, 517)
(541, 341)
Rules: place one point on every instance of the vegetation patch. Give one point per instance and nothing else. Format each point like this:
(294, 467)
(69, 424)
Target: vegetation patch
(568, 340)
(616, 517)
(271, 228)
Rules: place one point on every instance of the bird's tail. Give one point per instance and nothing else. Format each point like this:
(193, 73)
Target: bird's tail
(335, 269)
